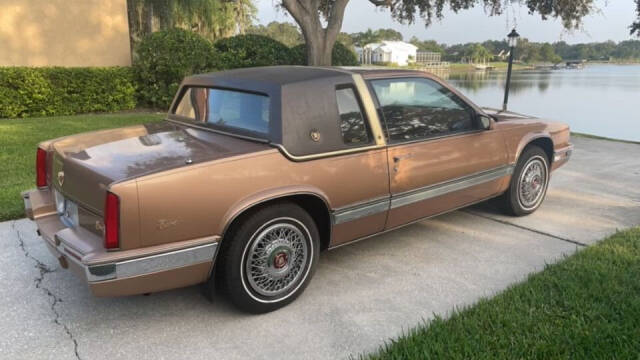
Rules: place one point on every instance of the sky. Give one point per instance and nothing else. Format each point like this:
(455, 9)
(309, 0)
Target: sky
(611, 23)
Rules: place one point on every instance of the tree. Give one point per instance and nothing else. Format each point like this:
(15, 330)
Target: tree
(389, 34)
(478, 53)
(547, 54)
(528, 52)
(346, 40)
(562, 49)
(496, 46)
(212, 19)
(370, 36)
(427, 45)
(635, 27)
(286, 33)
(367, 37)
(629, 49)
(321, 20)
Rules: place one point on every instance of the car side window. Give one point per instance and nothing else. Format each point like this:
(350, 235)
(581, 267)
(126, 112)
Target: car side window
(351, 120)
(418, 108)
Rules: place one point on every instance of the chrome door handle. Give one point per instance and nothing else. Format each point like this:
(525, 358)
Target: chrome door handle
(397, 158)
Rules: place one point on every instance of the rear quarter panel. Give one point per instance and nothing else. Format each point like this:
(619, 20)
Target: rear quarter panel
(200, 200)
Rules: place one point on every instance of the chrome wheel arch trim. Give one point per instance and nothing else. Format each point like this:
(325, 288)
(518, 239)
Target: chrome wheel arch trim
(257, 200)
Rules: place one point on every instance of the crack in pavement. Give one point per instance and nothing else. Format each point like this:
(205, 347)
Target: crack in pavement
(44, 270)
(575, 242)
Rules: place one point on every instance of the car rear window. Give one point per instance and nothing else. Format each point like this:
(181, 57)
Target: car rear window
(226, 109)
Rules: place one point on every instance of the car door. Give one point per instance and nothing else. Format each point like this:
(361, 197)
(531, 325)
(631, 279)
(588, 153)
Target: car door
(364, 175)
(439, 155)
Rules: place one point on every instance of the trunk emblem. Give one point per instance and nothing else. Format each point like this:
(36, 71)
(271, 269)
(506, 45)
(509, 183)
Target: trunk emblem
(60, 177)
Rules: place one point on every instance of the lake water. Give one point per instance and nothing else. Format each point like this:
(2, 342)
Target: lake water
(599, 99)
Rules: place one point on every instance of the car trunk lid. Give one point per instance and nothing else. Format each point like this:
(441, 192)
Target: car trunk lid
(85, 165)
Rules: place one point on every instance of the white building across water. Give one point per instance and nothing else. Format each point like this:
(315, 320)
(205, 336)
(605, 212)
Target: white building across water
(396, 52)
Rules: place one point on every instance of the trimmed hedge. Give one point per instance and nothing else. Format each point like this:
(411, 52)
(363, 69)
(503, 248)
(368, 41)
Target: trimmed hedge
(26, 91)
(251, 50)
(340, 56)
(164, 58)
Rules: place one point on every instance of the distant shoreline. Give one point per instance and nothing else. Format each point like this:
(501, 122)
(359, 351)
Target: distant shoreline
(461, 68)
(626, 62)
(458, 68)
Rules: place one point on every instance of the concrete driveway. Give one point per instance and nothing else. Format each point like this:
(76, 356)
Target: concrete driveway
(361, 295)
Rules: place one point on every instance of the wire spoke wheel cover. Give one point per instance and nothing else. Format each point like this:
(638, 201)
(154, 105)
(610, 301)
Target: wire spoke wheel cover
(277, 259)
(532, 183)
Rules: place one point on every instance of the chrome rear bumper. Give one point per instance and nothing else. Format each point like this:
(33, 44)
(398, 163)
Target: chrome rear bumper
(141, 265)
(123, 272)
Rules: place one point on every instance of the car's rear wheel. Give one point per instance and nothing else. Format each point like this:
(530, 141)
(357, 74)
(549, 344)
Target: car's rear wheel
(529, 183)
(269, 257)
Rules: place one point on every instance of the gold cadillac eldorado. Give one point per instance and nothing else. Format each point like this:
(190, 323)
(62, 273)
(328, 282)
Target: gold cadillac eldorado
(255, 171)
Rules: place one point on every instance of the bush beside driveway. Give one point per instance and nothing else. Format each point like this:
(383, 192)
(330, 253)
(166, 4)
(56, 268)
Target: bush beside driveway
(18, 141)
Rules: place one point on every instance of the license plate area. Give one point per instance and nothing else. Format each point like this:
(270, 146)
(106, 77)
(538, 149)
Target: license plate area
(67, 209)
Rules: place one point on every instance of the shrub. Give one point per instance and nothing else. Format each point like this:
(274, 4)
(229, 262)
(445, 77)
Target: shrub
(164, 58)
(56, 91)
(251, 50)
(340, 56)
(299, 54)
(343, 56)
(23, 92)
(82, 90)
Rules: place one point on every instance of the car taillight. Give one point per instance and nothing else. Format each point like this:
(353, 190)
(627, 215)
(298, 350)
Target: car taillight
(41, 168)
(112, 222)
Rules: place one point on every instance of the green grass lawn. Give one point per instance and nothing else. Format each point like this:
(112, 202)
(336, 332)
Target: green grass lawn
(18, 141)
(584, 307)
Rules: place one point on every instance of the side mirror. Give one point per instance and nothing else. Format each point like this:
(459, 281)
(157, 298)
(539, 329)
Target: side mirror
(485, 122)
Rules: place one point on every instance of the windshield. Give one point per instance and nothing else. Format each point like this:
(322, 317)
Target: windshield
(226, 109)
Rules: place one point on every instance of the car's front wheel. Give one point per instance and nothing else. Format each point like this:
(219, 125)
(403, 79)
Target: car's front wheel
(529, 183)
(269, 257)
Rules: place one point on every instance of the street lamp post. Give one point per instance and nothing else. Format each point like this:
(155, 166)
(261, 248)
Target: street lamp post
(513, 41)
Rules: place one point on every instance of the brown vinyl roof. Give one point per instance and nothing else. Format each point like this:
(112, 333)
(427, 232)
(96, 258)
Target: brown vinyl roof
(288, 74)
(275, 75)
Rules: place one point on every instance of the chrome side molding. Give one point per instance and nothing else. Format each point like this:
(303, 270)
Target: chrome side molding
(447, 187)
(375, 206)
(359, 211)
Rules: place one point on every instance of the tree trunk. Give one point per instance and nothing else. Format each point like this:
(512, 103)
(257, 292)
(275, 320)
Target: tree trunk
(132, 19)
(319, 48)
(319, 40)
(148, 18)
